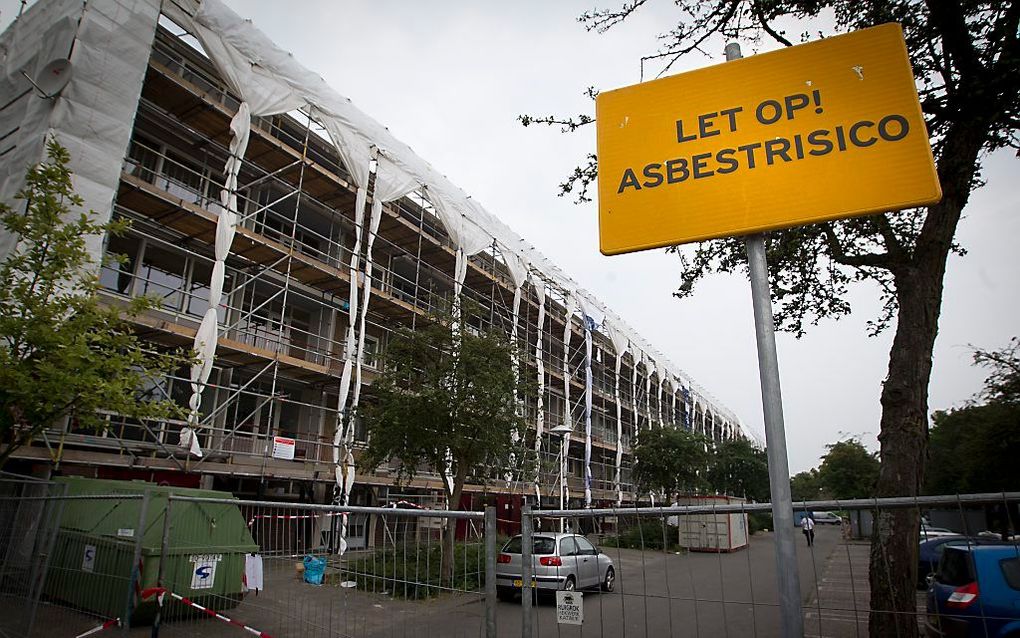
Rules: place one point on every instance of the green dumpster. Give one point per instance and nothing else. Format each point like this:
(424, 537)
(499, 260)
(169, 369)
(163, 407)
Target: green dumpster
(91, 565)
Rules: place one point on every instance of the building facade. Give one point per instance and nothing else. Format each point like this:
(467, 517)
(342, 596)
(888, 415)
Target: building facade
(286, 235)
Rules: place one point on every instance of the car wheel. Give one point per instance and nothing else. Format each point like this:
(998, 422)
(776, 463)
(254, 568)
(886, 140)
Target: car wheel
(569, 585)
(609, 581)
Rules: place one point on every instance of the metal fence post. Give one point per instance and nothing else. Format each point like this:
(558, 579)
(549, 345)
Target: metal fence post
(490, 572)
(526, 590)
(49, 522)
(163, 550)
(137, 557)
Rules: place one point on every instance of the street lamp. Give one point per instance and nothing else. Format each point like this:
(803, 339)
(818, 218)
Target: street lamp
(563, 429)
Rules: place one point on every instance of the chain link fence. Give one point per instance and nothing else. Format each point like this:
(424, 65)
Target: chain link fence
(707, 568)
(157, 563)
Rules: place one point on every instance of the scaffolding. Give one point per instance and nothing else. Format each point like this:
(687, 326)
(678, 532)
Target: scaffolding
(303, 239)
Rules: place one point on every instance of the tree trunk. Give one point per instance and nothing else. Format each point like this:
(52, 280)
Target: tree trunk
(904, 425)
(904, 442)
(450, 531)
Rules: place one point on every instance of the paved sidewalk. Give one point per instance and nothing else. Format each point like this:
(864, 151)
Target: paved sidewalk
(839, 607)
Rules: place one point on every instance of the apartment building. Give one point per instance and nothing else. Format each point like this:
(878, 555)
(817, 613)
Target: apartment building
(287, 234)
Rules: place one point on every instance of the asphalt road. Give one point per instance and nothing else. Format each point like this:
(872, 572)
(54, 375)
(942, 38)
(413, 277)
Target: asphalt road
(697, 594)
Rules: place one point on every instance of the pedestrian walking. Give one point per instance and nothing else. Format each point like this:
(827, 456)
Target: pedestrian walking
(808, 527)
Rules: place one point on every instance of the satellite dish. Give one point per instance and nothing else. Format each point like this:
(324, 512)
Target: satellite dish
(52, 79)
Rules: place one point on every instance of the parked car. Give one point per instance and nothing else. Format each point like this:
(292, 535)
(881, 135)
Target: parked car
(975, 592)
(826, 518)
(928, 532)
(558, 561)
(930, 551)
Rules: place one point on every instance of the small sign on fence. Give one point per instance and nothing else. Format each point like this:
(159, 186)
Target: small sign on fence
(569, 607)
(88, 559)
(203, 575)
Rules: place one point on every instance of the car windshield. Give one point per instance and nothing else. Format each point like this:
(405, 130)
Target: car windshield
(541, 545)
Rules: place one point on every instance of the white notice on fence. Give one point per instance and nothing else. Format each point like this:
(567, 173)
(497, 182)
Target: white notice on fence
(203, 575)
(569, 607)
(88, 559)
(283, 448)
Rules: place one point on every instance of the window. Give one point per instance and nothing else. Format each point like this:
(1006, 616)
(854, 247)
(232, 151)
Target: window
(1011, 572)
(584, 546)
(299, 333)
(182, 179)
(568, 547)
(955, 568)
(142, 160)
(543, 545)
(119, 265)
(198, 288)
(162, 275)
(370, 356)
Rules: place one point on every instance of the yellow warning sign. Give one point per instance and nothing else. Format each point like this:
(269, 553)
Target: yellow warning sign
(825, 130)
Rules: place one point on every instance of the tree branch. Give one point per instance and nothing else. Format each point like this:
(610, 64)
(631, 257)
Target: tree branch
(951, 24)
(569, 124)
(893, 246)
(867, 260)
(605, 19)
(767, 28)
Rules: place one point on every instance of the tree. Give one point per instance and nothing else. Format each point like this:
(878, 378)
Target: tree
(973, 449)
(966, 61)
(447, 402)
(62, 353)
(1003, 382)
(848, 470)
(806, 486)
(739, 469)
(670, 462)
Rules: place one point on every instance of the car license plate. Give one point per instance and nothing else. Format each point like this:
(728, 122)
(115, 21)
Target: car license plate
(518, 583)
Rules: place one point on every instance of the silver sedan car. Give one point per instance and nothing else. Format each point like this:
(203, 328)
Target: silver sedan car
(559, 561)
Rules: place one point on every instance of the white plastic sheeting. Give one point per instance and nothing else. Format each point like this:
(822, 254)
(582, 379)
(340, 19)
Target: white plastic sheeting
(261, 94)
(108, 44)
(620, 344)
(589, 326)
(255, 60)
(518, 270)
(570, 308)
(540, 365)
(391, 184)
(649, 373)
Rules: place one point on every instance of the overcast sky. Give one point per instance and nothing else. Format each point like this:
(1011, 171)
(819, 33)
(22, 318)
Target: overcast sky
(450, 78)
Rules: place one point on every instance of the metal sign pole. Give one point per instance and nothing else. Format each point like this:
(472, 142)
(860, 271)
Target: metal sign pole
(791, 616)
(788, 577)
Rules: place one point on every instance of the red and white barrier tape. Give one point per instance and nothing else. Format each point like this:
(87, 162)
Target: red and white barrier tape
(287, 517)
(160, 592)
(296, 517)
(95, 630)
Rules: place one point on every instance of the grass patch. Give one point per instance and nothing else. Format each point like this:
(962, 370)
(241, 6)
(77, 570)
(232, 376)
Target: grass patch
(758, 521)
(648, 534)
(412, 571)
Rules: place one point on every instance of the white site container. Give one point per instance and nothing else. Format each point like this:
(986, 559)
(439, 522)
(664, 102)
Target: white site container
(711, 532)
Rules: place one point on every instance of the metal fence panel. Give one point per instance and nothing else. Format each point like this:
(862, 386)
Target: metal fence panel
(74, 564)
(66, 563)
(708, 569)
(388, 582)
